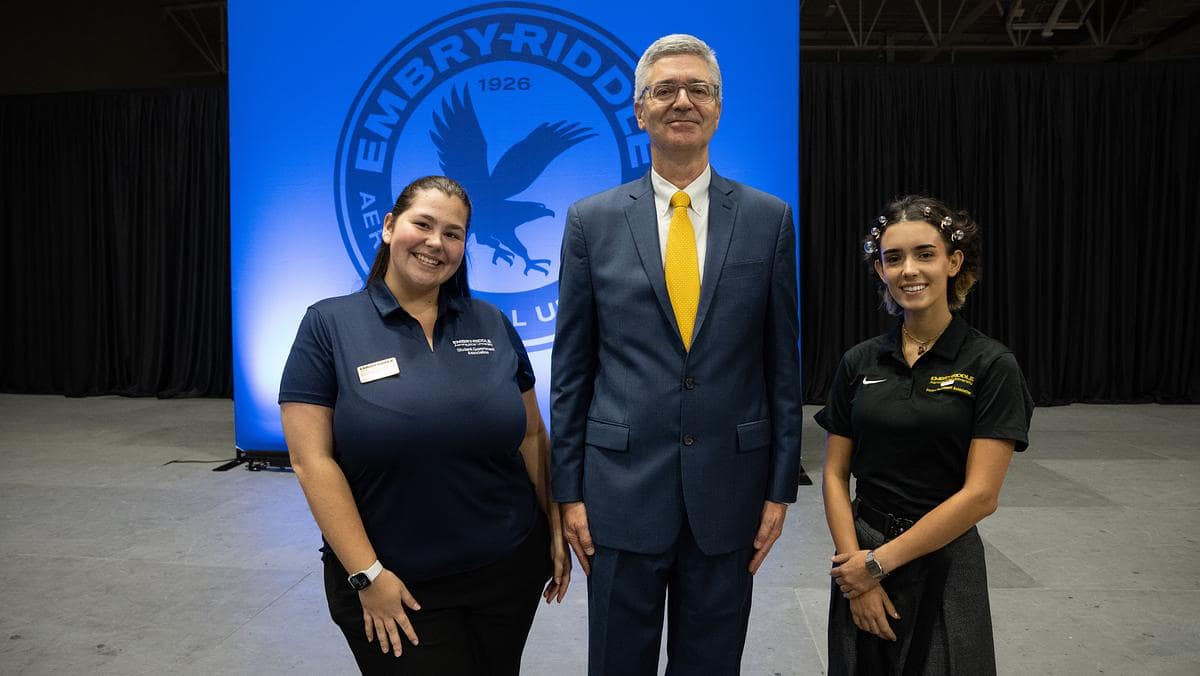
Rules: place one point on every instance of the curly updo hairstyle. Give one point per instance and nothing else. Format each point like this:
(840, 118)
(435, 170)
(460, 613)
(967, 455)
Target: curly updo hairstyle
(959, 231)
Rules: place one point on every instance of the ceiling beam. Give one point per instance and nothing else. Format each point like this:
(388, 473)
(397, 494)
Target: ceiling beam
(1143, 25)
(1154, 16)
(960, 28)
(1052, 22)
(1180, 45)
(998, 47)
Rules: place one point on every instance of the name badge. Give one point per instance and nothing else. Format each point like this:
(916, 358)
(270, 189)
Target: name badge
(378, 369)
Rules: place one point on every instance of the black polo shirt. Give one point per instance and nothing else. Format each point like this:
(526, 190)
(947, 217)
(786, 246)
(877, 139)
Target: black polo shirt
(431, 452)
(912, 427)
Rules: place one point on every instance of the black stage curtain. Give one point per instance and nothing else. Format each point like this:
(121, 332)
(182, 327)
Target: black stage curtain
(115, 243)
(1085, 179)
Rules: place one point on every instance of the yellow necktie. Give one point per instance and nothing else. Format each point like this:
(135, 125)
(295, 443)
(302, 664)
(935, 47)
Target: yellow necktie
(682, 267)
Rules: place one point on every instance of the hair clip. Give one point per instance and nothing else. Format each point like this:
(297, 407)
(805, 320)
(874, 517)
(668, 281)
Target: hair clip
(869, 247)
(947, 222)
(957, 236)
(927, 211)
(875, 233)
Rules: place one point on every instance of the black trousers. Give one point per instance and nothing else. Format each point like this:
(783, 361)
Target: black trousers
(470, 623)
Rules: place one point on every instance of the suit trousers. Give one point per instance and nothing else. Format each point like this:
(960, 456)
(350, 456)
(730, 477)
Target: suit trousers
(707, 600)
(470, 623)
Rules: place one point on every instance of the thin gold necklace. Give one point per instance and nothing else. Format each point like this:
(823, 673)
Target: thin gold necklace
(923, 345)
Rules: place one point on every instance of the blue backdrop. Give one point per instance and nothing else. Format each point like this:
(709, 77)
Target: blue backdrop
(336, 106)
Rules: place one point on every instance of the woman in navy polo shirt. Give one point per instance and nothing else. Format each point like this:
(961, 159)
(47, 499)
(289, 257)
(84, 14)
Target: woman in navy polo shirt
(412, 425)
(926, 417)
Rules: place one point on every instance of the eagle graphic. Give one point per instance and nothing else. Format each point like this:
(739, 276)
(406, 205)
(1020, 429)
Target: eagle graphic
(462, 151)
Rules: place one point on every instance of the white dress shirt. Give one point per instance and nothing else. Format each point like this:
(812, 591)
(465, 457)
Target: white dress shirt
(697, 190)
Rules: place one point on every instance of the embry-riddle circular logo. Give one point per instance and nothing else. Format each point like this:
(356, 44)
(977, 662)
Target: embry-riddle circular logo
(529, 107)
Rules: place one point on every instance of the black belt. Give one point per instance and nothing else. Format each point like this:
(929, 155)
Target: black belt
(889, 524)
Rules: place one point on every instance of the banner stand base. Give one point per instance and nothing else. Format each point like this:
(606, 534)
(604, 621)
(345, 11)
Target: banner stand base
(257, 461)
(803, 479)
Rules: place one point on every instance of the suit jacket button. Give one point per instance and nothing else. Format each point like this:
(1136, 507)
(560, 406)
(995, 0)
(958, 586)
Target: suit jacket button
(689, 383)
(688, 440)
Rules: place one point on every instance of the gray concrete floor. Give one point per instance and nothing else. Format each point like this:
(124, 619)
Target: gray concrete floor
(113, 563)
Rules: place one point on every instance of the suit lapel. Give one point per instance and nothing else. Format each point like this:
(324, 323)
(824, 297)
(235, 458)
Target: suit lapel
(722, 211)
(642, 218)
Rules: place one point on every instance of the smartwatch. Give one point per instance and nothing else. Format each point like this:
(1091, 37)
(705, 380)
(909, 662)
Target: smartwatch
(363, 578)
(873, 567)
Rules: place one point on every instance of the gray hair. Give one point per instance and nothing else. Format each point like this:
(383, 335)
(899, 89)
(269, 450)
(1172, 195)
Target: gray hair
(671, 45)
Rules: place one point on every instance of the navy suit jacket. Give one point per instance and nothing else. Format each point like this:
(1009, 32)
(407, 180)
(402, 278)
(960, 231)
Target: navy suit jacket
(646, 433)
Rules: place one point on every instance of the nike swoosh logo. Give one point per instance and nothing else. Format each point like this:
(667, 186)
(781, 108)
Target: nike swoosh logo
(872, 382)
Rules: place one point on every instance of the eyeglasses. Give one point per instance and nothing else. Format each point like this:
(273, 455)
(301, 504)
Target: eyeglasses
(666, 92)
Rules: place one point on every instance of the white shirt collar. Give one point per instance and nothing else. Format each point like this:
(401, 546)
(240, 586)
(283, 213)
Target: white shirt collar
(697, 190)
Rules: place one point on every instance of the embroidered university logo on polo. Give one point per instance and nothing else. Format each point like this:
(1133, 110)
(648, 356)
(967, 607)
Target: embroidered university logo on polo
(474, 346)
(527, 106)
(955, 382)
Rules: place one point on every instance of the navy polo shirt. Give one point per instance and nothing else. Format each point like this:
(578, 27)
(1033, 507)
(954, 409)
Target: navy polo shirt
(431, 453)
(912, 426)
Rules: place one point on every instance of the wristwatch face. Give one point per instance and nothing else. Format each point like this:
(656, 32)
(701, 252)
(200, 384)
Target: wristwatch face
(359, 581)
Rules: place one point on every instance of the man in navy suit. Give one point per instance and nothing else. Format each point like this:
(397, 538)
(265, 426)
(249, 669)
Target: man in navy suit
(675, 401)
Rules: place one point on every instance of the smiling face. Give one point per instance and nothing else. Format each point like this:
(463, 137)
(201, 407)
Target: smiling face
(682, 125)
(426, 243)
(915, 266)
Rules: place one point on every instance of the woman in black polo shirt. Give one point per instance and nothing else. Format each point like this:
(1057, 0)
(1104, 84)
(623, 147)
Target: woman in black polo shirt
(926, 417)
(412, 425)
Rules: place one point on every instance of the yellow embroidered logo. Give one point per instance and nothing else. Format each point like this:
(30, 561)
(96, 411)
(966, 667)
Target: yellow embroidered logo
(955, 382)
